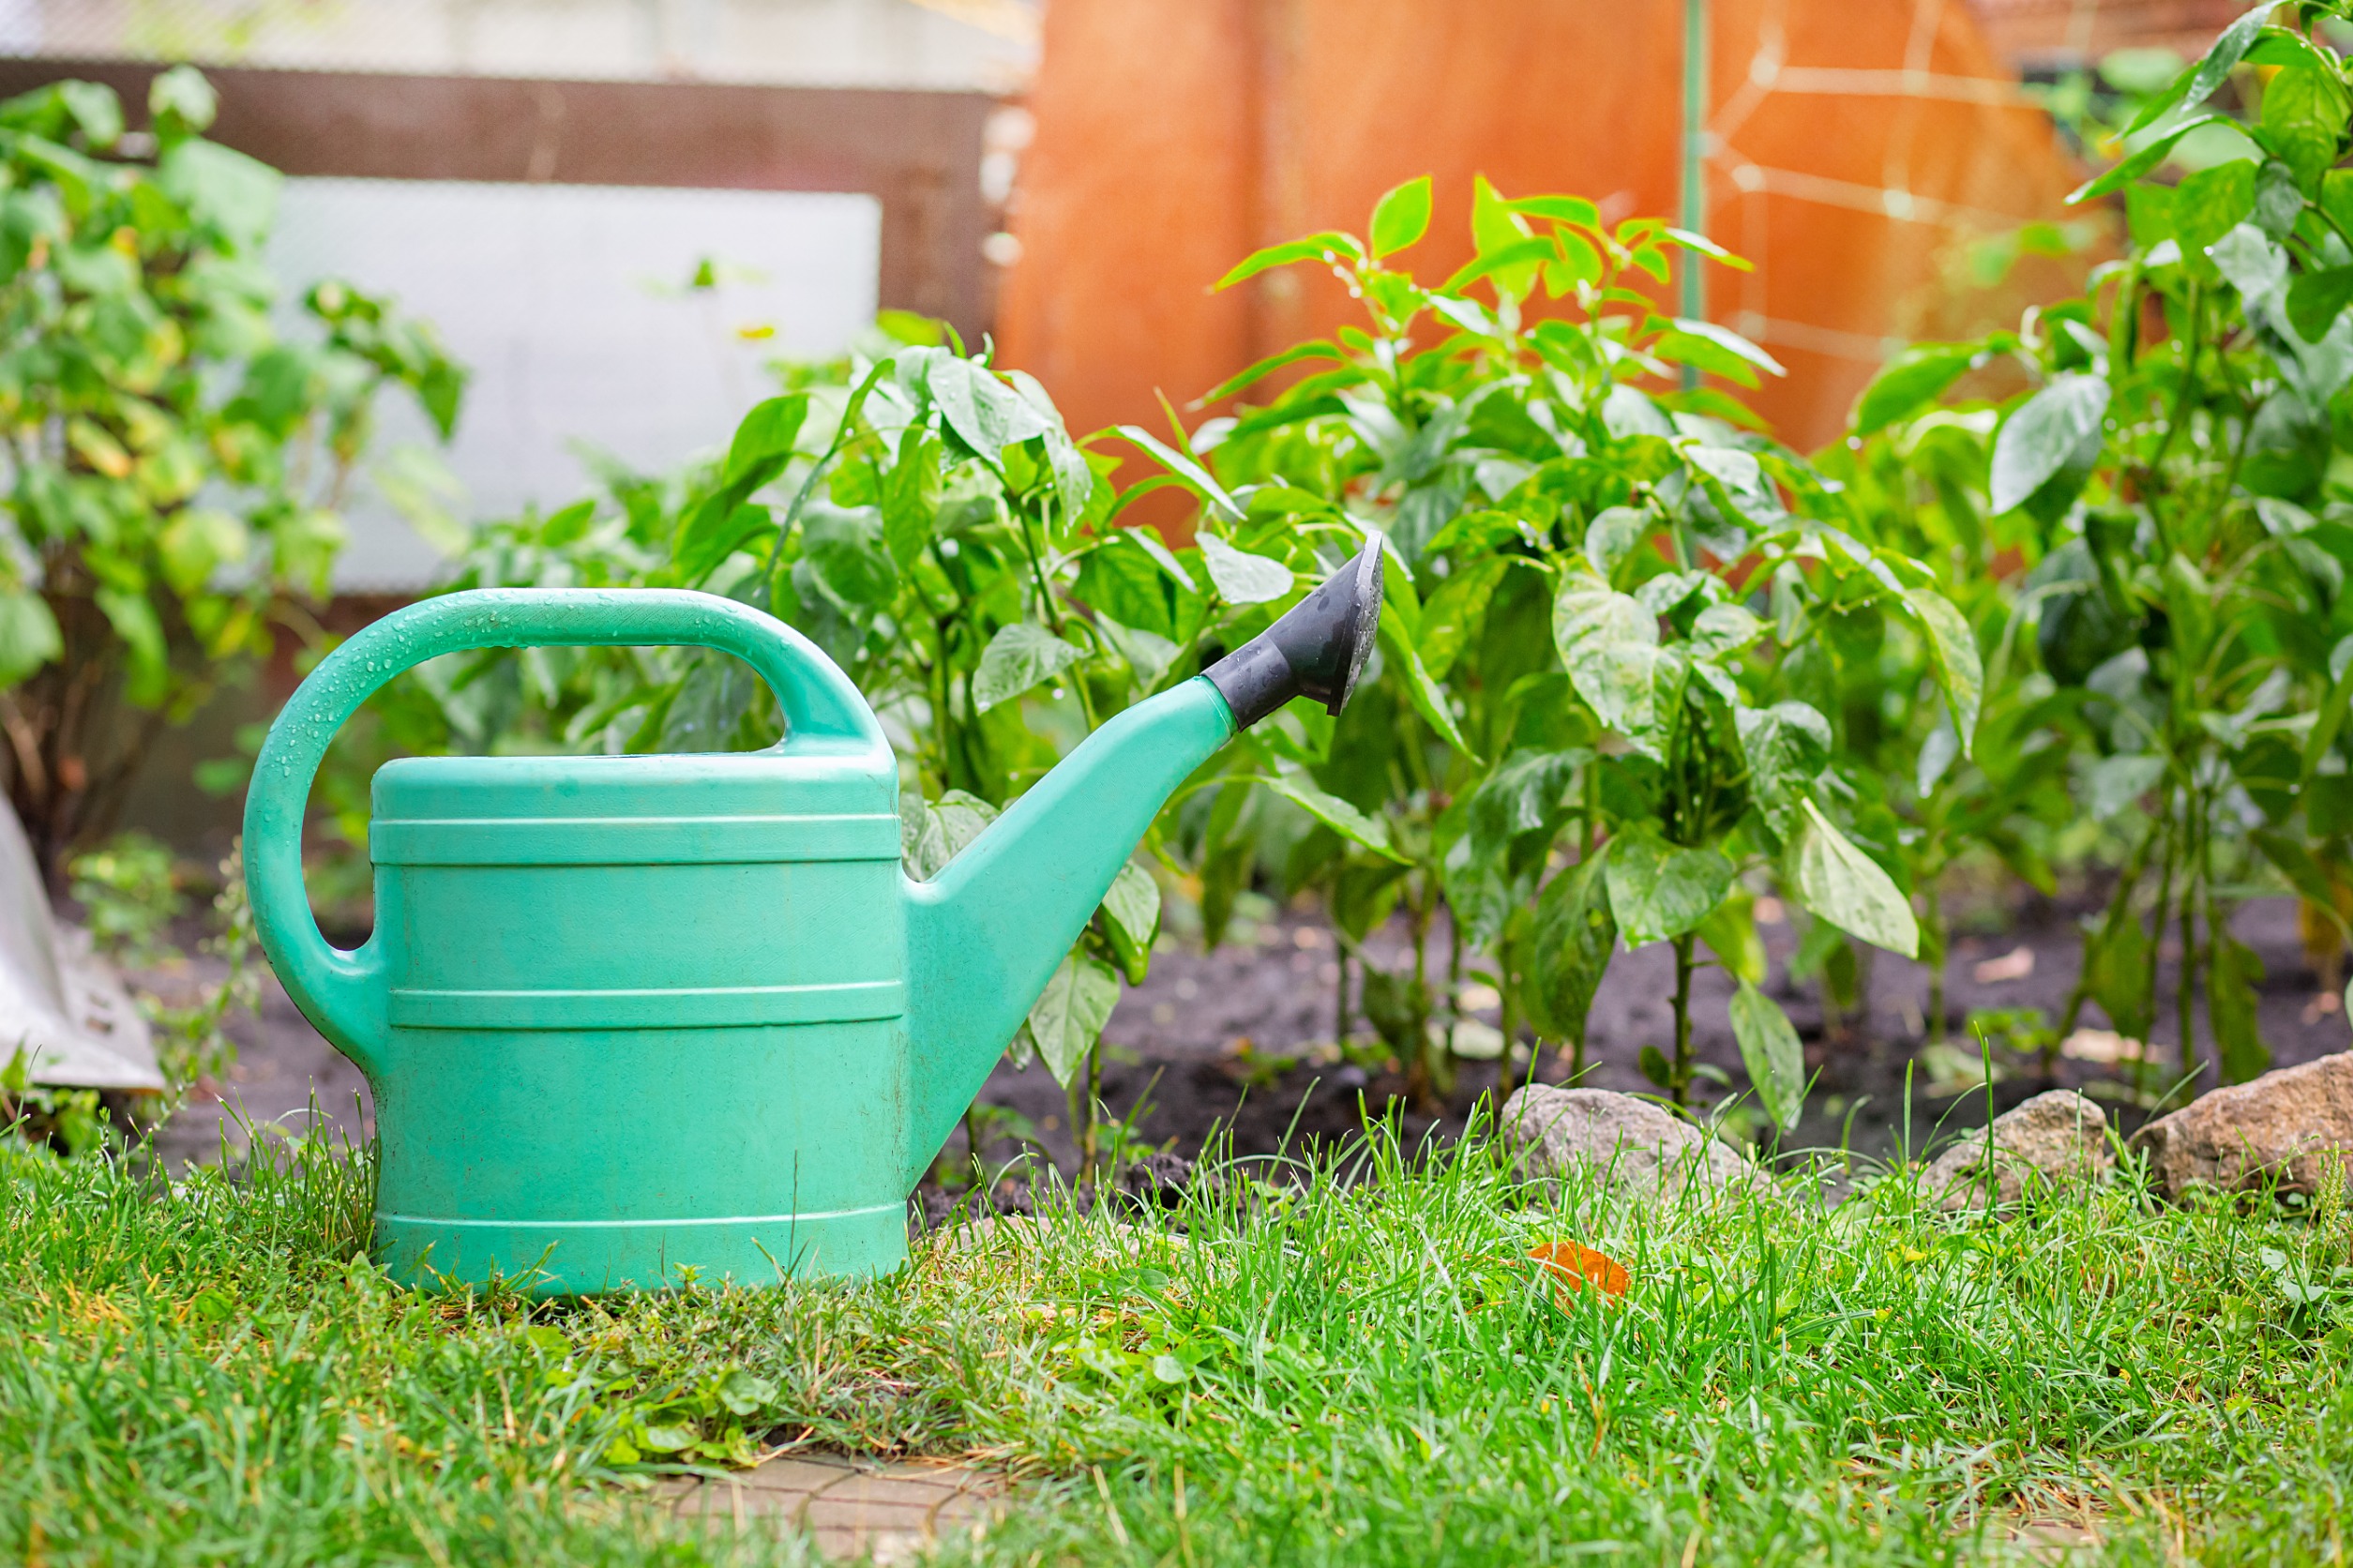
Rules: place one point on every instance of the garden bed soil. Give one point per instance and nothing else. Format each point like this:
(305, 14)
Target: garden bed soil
(1237, 1042)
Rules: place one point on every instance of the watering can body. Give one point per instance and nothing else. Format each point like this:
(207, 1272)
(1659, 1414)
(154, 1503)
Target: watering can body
(644, 1020)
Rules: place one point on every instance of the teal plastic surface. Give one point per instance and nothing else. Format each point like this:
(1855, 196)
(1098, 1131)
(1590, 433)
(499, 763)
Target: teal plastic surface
(631, 1021)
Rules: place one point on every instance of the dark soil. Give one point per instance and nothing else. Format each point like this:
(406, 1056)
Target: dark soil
(1238, 1041)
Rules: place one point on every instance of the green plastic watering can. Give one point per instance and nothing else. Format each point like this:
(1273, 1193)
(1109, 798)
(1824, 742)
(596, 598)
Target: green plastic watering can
(637, 1020)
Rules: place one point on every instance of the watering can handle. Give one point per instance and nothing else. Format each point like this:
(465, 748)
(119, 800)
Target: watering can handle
(343, 993)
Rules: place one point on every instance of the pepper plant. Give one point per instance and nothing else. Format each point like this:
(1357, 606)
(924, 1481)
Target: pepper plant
(176, 467)
(2174, 471)
(1602, 587)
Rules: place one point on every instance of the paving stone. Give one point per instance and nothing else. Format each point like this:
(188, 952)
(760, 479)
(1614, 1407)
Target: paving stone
(851, 1506)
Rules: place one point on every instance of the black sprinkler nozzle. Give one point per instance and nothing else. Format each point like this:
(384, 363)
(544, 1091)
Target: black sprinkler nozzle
(1317, 650)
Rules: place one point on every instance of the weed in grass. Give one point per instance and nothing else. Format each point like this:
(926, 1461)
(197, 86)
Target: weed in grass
(1366, 1371)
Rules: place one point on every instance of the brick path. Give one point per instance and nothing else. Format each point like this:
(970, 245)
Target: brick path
(851, 1506)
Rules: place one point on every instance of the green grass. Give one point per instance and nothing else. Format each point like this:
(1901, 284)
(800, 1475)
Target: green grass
(1357, 1372)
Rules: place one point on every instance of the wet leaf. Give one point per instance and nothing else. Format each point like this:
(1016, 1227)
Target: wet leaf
(1849, 889)
(2045, 434)
(1770, 1050)
(1401, 217)
(1609, 644)
(1952, 649)
(1242, 578)
(1570, 942)
(1020, 657)
(2232, 988)
(1132, 910)
(1069, 1014)
(1786, 746)
(1658, 889)
(1333, 812)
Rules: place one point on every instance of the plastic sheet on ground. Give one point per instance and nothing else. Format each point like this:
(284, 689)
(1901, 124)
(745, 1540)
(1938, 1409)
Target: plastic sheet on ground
(61, 1004)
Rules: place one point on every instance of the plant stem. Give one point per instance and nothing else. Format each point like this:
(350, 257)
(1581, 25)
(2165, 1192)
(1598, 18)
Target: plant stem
(1505, 1019)
(1089, 1150)
(1593, 813)
(1936, 931)
(1678, 1076)
(2183, 1009)
(2173, 833)
(1339, 1010)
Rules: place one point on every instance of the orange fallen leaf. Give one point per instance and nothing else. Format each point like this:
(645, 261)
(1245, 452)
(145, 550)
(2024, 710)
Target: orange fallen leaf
(1576, 1266)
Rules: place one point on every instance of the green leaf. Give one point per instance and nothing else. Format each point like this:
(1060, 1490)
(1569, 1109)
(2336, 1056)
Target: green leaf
(1021, 655)
(180, 101)
(1131, 915)
(1401, 216)
(2116, 782)
(2209, 204)
(2195, 86)
(134, 620)
(1786, 746)
(932, 835)
(2303, 117)
(1268, 366)
(718, 692)
(1730, 933)
(1570, 941)
(1730, 342)
(987, 416)
(1559, 209)
(2142, 161)
(1616, 533)
(1190, 473)
(843, 544)
(763, 441)
(911, 496)
(1952, 649)
(1239, 577)
(1706, 247)
(1333, 812)
(1609, 644)
(1770, 1052)
(2302, 870)
(222, 188)
(1914, 378)
(2233, 987)
(2045, 433)
(1427, 697)
(97, 111)
(2317, 299)
(745, 1392)
(1656, 1066)
(196, 543)
(1330, 246)
(29, 637)
(667, 1438)
(2331, 714)
(714, 531)
(1849, 889)
(1659, 890)
(1069, 1014)
(2116, 960)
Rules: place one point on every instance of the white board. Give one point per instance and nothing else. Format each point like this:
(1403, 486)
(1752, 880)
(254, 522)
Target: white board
(570, 306)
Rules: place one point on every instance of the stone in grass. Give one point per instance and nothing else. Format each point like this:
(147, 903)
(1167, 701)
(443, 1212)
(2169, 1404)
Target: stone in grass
(1625, 1142)
(2053, 1138)
(2283, 1126)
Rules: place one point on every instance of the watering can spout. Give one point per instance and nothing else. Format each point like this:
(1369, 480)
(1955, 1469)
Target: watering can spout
(986, 934)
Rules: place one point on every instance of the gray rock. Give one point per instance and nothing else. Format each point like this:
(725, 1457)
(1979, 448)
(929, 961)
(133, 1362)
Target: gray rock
(1626, 1141)
(2284, 1125)
(2053, 1138)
